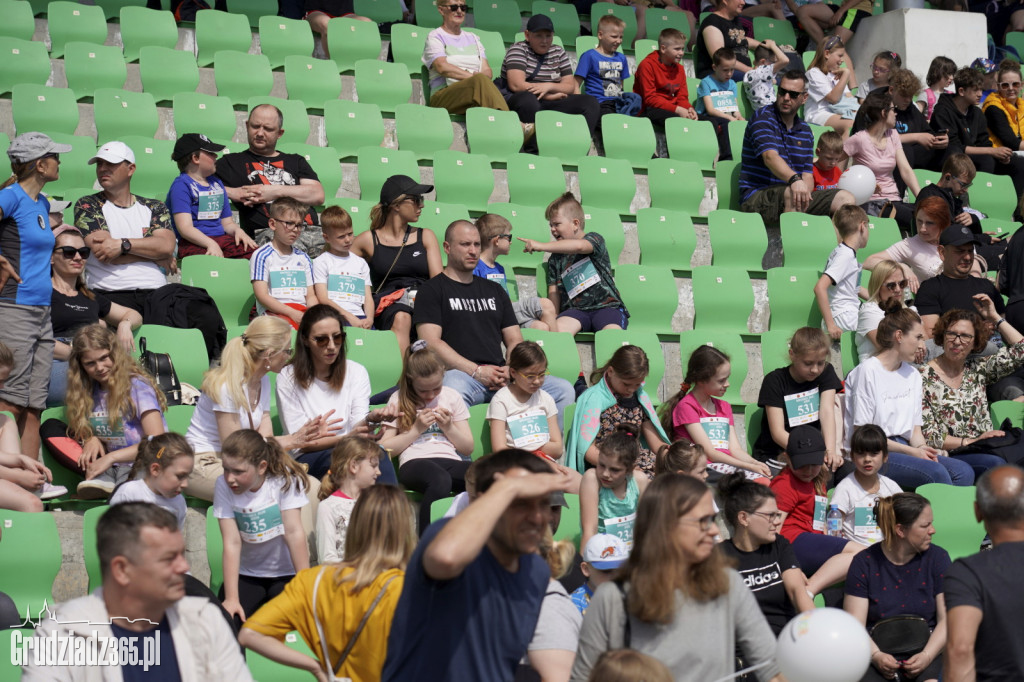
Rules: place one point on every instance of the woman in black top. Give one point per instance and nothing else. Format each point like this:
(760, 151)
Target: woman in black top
(722, 28)
(401, 257)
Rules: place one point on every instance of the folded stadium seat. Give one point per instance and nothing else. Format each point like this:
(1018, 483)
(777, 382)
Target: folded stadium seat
(626, 13)
(439, 508)
(296, 120)
(378, 352)
(650, 295)
(215, 549)
(185, 346)
(584, 43)
(89, 67)
(658, 20)
(727, 177)
(737, 239)
(667, 238)
(112, 8)
(528, 222)
(226, 280)
(1007, 409)
(154, 170)
(75, 171)
(534, 180)
(24, 61)
(956, 529)
(194, 111)
(31, 559)
(729, 343)
(385, 84)
(407, 43)
(89, 555)
(5, 161)
(263, 668)
(608, 224)
(357, 209)
(281, 37)
(120, 113)
(628, 137)
(770, 28)
(240, 76)
(747, 110)
(882, 233)
(791, 298)
(179, 417)
(427, 14)
(142, 27)
(165, 72)
(216, 31)
(692, 141)
(350, 126)
(481, 431)
(377, 164)
(18, 19)
(499, 16)
(643, 47)
(775, 349)
(560, 349)
(999, 227)
(994, 195)
(70, 21)
(675, 185)
(753, 420)
(925, 178)
(495, 134)
(736, 130)
(606, 183)
(423, 130)
(465, 178)
(350, 41)
(380, 11)
(569, 526)
(494, 46)
(324, 161)
(607, 341)
(563, 16)
(807, 240)
(253, 10)
(437, 216)
(723, 298)
(1015, 39)
(565, 137)
(314, 81)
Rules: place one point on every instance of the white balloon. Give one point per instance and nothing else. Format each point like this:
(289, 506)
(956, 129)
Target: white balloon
(824, 645)
(858, 181)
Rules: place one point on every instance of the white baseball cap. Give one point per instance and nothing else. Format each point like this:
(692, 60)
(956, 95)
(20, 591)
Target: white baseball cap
(605, 552)
(114, 152)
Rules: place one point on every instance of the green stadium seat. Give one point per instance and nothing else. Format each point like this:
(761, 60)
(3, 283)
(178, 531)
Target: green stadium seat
(565, 137)
(75, 171)
(281, 37)
(736, 130)
(185, 346)
(527, 222)
(606, 183)
(154, 170)
(143, 27)
(89, 66)
(675, 185)
(495, 134)
(380, 11)
(775, 349)
(1001, 228)
(737, 239)
(882, 233)
(607, 341)
(746, 111)
(642, 48)
(324, 161)
(807, 240)
(19, 21)
(378, 352)
(89, 555)
(437, 216)
(377, 164)
(179, 417)
(729, 343)
(314, 81)
(423, 130)
(25, 62)
(216, 31)
(692, 141)
(213, 115)
(440, 507)
(464, 178)
(427, 14)
(584, 43)
(628, 137)
(382, 83)
(727, 177)
(357, 209)
(648, 295)
(263, 668)
(481, 430)
(658, 20)
(31, 559)
(1015, 39)
(296, 120)
(994, 195)
(533, 180)
(753, 420)
(350, 126)
(848, 355)
(667, 238)
(5, 161)
(253, 10)
(569, 527)
(791, 298)
(926, 177)
(608, 224)
(227, 282)
(351, 40)
(214, 549)
(494, 46)
(498, 16)
(560, 348)
(563, 16)
(723, 298)
(69, 22)
(407, 43)
(165, 72)
(770, 28)
(38, 107)
(956, 529)
(623, 12)
(240, 76)
(61, 474)
(121, 112)
(1006, 409)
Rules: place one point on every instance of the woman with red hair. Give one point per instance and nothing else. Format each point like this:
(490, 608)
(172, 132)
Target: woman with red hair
(919, 255)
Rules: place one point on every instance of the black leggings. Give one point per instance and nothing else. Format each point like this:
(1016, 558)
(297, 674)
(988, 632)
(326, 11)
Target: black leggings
(436, 478)
(254, 592)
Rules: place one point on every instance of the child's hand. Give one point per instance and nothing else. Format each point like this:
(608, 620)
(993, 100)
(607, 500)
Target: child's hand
(234, 608)
(91, 450)
(425, 419)
(834, 332)
(833, 460)
(364, 323)
(769, 43)
(98, 466)
(444, 417)
(529, 245)
(760, 468)
(35, 466)
(214, 250)
(241, 238)
(294, 314)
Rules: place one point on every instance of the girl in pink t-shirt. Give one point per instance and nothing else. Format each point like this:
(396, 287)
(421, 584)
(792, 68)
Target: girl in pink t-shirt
(700, 416)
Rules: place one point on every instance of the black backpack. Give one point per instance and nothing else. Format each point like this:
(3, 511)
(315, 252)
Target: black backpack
(161, 368)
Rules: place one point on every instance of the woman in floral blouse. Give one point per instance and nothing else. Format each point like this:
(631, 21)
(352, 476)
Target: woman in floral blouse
(955, 407)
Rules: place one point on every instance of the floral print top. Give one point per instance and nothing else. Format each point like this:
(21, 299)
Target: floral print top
(629, 414)
(963, 412)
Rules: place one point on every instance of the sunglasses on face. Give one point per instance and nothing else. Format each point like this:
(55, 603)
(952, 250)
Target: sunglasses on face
(505, 236)
(457, 8)
(70, 251)
(321, 340)
(895, 286)
(792, 94)
(1008, 86)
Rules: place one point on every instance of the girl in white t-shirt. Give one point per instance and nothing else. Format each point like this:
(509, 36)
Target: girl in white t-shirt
(159, 474)
(431, 429)
(829, 80)
(857, 494)
(257, 502)
(354, 468)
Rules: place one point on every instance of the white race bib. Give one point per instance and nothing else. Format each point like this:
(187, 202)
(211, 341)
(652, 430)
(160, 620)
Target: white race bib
(113, 438)
(802, 408)
(211, 204)
(724, 101)
(579, 277)
(865, 524)
(529, 430)
(820, 512)
(346, 289)
(717, 431)
(287, 283)
(258, 525)
(622, 528)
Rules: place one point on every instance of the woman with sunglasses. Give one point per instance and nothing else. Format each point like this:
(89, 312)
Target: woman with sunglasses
(73, 305)
(321, 377)
(955, 402)
(1004, 113)
(888, 283)
(679, 600)
(26, 243)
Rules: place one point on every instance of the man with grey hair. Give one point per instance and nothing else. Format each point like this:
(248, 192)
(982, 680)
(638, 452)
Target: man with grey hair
(984, 600)
(142, 607)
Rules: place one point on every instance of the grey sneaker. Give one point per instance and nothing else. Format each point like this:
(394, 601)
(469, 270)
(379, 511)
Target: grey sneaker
(50, 491)
(98, 488)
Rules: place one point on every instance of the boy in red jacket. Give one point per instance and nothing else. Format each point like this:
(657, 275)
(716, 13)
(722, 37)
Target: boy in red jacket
(661, 80)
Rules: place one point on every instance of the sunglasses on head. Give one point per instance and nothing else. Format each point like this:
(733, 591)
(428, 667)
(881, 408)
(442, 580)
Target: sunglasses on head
(832, 41)
(893, 286)
(70, 251)
(321, 340)
(792, 94)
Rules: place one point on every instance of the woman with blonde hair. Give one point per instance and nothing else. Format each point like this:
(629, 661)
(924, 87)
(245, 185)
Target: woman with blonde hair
(888, 283)
(679, 601)
(343, 611)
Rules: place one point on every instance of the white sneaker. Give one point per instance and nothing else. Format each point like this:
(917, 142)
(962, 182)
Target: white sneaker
(98, 488)
(50, 491)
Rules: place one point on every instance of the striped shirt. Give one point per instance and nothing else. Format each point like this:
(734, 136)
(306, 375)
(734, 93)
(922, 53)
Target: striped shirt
(767, 131)
(520, 57)
(288, 276)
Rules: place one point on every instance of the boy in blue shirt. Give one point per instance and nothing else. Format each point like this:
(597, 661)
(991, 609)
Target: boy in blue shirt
(602, 70)
(718, 99)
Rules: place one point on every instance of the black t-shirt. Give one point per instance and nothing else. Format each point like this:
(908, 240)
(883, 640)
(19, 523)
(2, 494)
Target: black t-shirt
(247, 168)
(798, 400)
(762, 571)
(472, 316)
(990, 581)
(733, 34)
(942, 293)
(68, 313)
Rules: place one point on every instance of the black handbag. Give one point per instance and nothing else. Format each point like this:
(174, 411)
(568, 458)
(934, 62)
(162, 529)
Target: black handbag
(161, 368)
(1008, 446)
(901, 637)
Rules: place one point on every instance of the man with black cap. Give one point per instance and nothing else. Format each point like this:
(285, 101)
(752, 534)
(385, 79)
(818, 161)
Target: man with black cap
(198, 203)
(540, 77)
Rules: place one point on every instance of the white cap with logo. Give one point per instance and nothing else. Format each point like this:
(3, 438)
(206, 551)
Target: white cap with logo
(114, 152)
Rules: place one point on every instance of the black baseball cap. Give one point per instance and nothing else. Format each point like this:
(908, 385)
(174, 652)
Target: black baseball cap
(190, 143)
(806, 446)
(540, 22)
(958, 235)
(397, 185)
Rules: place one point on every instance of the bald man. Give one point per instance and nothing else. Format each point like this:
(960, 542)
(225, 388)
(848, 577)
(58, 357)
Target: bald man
(984, 598)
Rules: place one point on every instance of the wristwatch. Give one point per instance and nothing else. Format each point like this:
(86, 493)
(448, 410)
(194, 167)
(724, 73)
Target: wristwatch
(126, 246)
(795, 178)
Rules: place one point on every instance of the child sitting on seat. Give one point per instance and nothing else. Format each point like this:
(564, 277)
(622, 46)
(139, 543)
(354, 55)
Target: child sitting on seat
(828, 166)
(759, 82)
(718, 98)
(159, 474)
(282, 276)
(602, 70)
(341, 279)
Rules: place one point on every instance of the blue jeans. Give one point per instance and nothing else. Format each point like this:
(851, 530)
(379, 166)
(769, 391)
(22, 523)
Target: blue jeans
(981, 463)
(58, 383)
(909, 472)
(475, 393)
